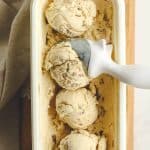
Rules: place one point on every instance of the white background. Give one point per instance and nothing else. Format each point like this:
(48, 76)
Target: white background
(142, 55)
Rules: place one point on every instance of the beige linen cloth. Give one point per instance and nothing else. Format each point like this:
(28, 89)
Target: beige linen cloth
(14, 47)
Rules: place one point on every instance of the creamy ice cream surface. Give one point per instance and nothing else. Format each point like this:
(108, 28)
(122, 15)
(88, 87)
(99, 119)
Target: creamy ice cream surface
(71, 17)
(103, 87)
(81, 140)
(102, 143)
(65, 67)
(77, 108)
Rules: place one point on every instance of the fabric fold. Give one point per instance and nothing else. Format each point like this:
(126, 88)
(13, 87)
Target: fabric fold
(18, 55)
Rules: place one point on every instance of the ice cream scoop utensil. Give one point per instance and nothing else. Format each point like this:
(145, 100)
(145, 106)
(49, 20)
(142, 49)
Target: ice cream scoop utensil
(97, 56)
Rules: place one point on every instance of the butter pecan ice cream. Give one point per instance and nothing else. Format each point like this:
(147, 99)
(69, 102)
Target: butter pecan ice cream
(65, 67)
(71, 17)
(82, 140)
(77, 108)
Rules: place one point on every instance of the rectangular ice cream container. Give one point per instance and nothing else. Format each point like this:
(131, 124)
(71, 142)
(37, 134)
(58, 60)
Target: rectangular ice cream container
(40, 122)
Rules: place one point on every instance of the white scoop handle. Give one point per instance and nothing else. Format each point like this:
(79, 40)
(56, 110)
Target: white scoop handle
(101, 62)
(135, 75)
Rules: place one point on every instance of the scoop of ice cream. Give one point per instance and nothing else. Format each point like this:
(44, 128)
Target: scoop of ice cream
(71, 17)
(65, 67)
(80, 140)
(77, 108)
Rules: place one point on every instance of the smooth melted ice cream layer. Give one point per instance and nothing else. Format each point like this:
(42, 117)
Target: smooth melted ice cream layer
(105, 88)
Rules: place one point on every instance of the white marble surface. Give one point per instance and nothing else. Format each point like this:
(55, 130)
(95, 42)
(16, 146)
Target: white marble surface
(142, 55)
